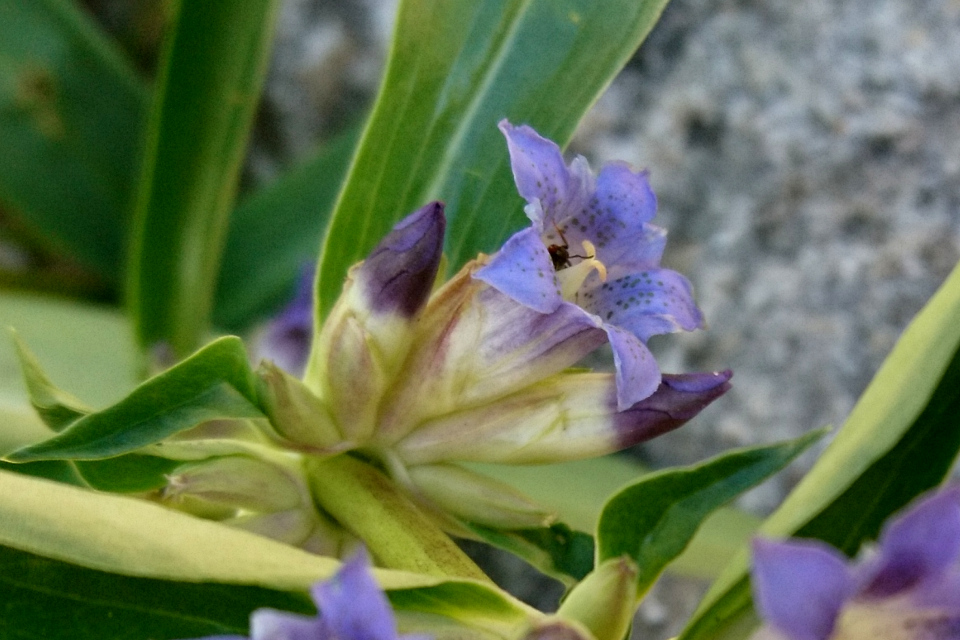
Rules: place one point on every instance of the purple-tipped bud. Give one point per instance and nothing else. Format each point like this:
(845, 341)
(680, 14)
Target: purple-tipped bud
(399, 274)
(678, 399)
(568, 417)
(363, 344)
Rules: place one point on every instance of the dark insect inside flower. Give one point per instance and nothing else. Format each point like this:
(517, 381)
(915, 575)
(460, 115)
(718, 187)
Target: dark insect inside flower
(560, 253)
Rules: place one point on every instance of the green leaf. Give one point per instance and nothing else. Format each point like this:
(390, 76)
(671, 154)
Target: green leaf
(135, 538)
(71, 110)
(654, 519)
(49, 600)
(558, 551)
(207, 92)
(433, 132)
(577, 490)
(276, 233)
(214, 383)
(57, 408)
(900, 440)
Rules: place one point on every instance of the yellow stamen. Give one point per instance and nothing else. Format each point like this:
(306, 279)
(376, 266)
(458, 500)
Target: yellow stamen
(572, 278)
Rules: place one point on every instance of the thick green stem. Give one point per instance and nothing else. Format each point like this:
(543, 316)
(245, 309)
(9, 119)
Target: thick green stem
(395, 531)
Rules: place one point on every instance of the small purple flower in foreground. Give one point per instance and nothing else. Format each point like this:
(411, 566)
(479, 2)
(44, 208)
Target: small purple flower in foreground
(907, 588)
(591, 246)
(286, 339)
(352, 607)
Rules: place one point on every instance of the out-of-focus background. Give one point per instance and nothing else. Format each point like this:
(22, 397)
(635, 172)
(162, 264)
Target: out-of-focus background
(806, 157)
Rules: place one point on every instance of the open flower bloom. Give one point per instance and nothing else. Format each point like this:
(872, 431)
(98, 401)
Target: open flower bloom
(591, 249)
(417, 377)
(351, 607)
(906, 588)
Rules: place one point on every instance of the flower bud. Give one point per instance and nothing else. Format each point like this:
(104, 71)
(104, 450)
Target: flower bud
(294, 411)
(239, 482)
(364, 342)
(478, 498)
(570, 416)
(604, 601)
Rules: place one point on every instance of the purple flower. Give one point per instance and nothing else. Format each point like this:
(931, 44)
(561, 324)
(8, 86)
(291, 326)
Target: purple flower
(286, 338)
(591, 247)
(352, 607)
(907, 588)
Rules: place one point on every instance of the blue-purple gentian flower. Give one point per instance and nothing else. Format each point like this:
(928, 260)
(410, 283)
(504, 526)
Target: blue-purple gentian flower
(591, 248)
(351, 607)
(907, 587)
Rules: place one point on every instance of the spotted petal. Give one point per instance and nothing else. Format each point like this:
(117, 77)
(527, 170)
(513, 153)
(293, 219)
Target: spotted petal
(522, 269)
(646, 304)
(542, 175)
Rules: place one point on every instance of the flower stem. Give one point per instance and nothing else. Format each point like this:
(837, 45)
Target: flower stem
(396, 532)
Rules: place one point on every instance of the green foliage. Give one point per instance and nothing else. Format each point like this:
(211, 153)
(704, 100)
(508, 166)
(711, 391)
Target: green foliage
(275, 233)
(455, 70)
(209, 85)
(654, 519)
(71, 110)
(558, 551)
(214, 383)
(46, 599)
(900, 440)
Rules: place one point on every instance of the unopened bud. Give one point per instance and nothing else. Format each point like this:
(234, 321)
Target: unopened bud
(240, 482)
(295, 412)
(477, 498)
(604, 601)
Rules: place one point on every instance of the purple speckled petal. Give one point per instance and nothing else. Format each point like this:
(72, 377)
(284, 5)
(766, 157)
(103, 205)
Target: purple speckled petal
(800, 587)
(638, 374)
(352, 606)
(646, 304)
(615, 220)
(918, 546)
(399, 274)
(522, 270)
(677, 400)
(541, 174)
(268, 624)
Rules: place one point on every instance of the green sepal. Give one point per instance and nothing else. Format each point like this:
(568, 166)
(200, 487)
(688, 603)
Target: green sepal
(557, 551)
(57, 408)
(653, 520)
(214, 383)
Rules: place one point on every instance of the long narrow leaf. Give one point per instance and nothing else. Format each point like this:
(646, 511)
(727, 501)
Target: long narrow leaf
(901, 439)
(275, 233)
(71, 115)
(210, 81)
(456, 68)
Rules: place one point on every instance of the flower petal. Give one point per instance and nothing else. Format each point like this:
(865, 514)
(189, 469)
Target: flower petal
(800, 587)
(647, 303)
(918, 546)
(352, 606)
(541, 174)
(677, 400)
(286, 339)
(615, 220)
(638, 374)
(523, 270)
